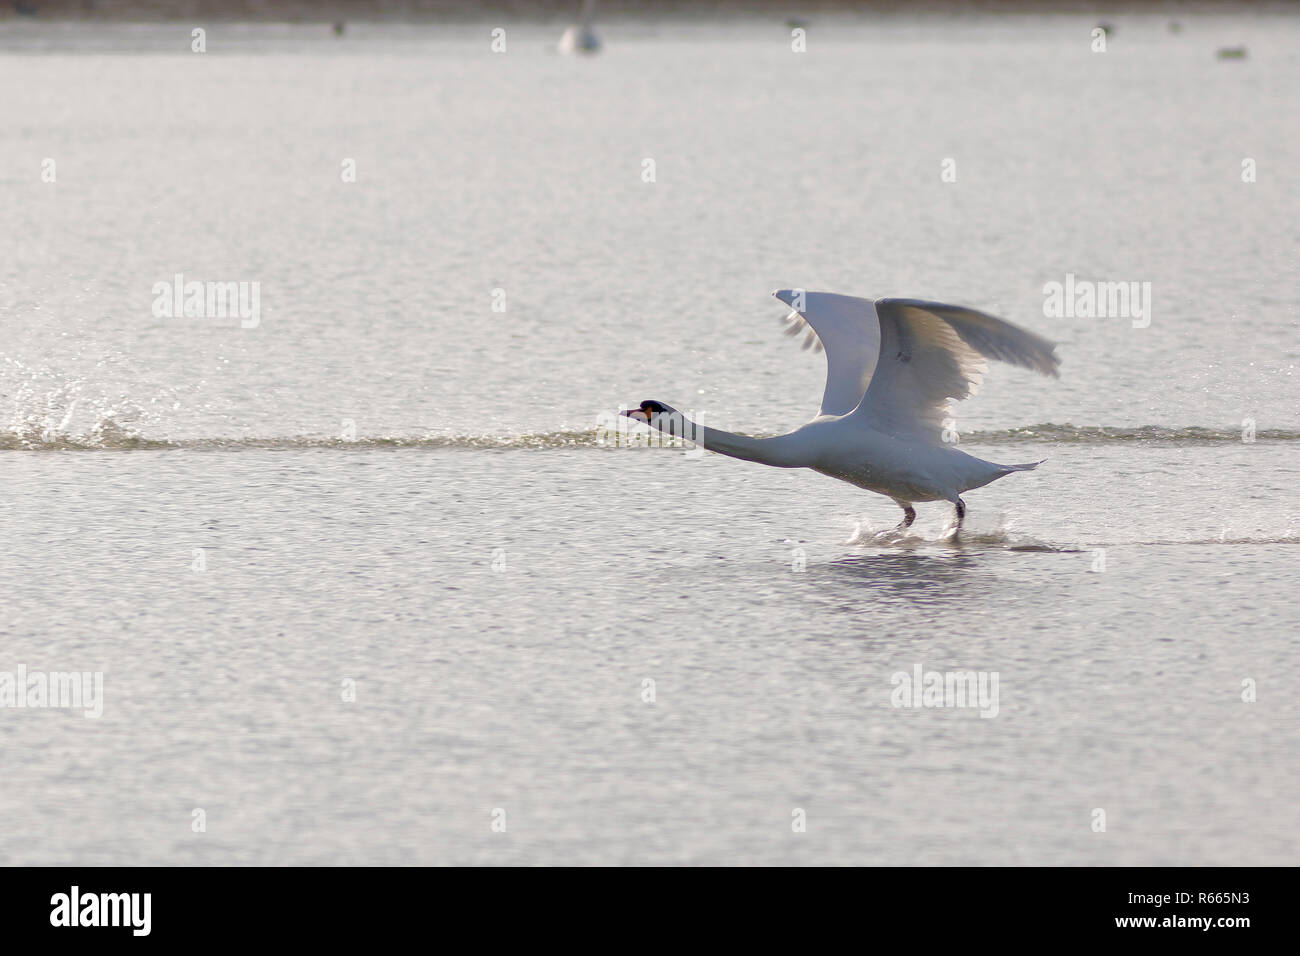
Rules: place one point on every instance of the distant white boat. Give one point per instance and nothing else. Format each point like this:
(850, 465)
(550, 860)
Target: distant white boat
(581, 38)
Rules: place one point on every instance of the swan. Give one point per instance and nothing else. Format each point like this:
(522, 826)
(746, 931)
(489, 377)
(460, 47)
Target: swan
(892, 367)
(581, 38)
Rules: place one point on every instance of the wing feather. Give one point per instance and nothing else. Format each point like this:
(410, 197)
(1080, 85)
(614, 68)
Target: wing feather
(845, 328)
(900, 363)
(932, 354)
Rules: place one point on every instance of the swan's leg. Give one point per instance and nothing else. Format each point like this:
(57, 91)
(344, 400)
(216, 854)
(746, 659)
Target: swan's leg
(961, 513)
(909, 515)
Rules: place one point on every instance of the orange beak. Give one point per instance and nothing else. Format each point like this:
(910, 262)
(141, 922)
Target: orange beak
(637, 415)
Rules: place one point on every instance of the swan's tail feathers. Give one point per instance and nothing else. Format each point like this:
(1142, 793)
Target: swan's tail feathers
(1029, 467)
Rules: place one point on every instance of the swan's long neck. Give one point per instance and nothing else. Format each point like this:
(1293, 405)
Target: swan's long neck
(766, 451)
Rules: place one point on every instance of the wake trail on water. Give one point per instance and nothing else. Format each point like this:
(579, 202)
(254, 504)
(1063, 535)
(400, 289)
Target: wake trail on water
(112, 429)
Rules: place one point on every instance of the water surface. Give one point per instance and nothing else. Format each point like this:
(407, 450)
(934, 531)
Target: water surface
(388, 482)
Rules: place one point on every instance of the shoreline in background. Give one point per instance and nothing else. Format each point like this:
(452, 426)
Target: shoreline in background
(397, 11)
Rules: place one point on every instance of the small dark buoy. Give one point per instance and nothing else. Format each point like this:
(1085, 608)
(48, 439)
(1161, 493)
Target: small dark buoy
(1107, 28)
(796, 23)
(1232, 53)
(1175, 26)
(339, 27)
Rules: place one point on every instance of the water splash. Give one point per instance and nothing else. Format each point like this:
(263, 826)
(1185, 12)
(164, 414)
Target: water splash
(50, 409)
(991, 532)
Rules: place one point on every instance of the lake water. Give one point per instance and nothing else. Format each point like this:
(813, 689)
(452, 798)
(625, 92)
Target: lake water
(364, 578)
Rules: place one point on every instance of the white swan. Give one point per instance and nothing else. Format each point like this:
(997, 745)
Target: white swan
(581, 38)
(892, 367)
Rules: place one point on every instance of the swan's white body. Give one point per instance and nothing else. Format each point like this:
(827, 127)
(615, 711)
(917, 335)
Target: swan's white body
(581, 38)
(892, 368)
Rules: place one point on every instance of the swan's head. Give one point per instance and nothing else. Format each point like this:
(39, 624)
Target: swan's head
(648, 411)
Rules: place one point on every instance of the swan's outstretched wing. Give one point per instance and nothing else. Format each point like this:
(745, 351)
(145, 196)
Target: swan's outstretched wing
(930, 354)
(846, 328)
